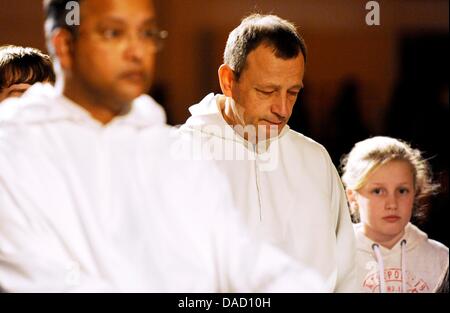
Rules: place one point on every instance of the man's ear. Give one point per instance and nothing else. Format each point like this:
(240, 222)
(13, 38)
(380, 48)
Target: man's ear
(62, 41)
(226, 79)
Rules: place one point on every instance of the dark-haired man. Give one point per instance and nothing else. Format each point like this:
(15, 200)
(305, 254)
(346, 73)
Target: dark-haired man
(90, 196)
(21, 67)
(284, 183)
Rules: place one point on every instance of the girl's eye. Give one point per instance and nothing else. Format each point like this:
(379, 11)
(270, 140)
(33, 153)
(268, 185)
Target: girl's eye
(404, 191)
(377, 191)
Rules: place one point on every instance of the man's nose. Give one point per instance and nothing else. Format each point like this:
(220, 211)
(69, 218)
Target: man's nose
(134, 48)
(281, 107)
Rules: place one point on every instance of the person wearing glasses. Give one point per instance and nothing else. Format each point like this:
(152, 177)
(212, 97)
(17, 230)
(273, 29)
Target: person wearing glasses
(91, 195)
(21, 67)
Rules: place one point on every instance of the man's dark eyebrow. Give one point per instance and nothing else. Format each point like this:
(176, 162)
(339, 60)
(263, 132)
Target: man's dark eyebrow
(111, 19)
(269, 85)
(299, 86)
(118, 20)
(151, 21)
(273, 86)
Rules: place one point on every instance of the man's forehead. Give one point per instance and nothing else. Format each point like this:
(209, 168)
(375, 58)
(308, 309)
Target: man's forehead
(14, 88)
(268, 63)
(19, 86)
(116, 8)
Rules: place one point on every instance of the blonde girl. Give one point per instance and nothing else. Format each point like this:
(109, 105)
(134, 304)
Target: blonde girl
(387, 182)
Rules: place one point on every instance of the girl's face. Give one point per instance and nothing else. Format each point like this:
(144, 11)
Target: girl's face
(386, 202)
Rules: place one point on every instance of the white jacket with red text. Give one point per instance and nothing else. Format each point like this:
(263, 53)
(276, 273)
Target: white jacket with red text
(415, 264)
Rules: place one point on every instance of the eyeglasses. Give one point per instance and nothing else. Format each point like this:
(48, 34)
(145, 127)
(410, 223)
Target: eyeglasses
(153, 36)
(158, 37)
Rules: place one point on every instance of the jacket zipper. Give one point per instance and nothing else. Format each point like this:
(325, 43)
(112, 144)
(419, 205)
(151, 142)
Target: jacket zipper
(258, 183)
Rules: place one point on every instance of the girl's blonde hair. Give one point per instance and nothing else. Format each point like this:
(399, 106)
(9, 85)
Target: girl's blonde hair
(368, 155)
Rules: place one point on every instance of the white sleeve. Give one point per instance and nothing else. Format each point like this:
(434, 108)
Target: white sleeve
(32, 258)
(345, 238)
